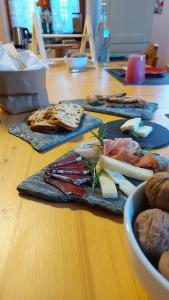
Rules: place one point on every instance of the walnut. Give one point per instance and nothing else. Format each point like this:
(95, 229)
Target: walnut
(163, 265)
(152, 232)
(157, 191)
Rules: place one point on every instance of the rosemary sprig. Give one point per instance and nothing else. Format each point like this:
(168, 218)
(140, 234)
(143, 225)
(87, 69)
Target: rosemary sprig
(133, 133)
(100, 136)
(92, 165)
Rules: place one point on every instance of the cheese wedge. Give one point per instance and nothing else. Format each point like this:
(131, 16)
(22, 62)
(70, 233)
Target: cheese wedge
(124, 185)
(131, 124)
(108, 186)
(125, 168)
(143, 131)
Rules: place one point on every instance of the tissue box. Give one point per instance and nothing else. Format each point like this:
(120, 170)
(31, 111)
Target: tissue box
(22, 91)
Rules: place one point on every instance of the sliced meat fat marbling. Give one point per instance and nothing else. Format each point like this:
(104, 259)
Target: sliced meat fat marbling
(67, 160)
(75, 179)
(66, 187)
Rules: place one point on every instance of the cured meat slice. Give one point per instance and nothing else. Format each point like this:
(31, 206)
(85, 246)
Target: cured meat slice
(111, 147)
(88, 150)
(75, 179)
(77, 165)
(67, 160)
(71, 171)
(127, 157)
(66, 187)
(148, 161)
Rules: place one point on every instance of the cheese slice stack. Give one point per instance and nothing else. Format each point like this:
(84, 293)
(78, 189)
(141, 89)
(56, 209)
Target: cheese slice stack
(125, 168)
(108, 186)
(124, 185)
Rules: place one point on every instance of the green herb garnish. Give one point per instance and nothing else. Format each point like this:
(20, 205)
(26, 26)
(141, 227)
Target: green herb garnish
(100, 136)
(92, 164)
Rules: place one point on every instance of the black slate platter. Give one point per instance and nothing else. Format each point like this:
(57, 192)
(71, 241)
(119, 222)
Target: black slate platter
(145, 113)
(158, 138)
(43, 142)
(35, 186)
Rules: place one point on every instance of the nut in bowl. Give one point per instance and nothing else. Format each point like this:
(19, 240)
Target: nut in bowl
(76, 61)
(143, 264)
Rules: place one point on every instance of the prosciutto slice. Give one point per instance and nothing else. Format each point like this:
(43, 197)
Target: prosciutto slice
(127, 157)
(148, 161)
(112, 147)
(66, 187)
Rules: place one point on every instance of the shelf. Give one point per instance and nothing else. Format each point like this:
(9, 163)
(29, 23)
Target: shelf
(60, 45)
(63, 35)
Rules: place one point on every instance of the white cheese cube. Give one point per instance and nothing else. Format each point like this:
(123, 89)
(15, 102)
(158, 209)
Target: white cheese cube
(143, 131)
(131, 124)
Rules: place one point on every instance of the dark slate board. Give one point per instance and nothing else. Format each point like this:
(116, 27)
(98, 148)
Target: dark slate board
(145, 113)
(35, 186)
(156, 79)
(158, 138)
(42, 142)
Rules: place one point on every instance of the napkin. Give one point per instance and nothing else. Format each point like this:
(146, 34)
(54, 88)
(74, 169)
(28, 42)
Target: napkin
(12, 60)
(6, 63)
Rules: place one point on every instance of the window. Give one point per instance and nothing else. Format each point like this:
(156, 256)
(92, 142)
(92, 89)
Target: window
(21, 13)
(62, 14)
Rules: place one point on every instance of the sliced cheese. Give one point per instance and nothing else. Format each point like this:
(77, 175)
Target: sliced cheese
(125, 168)
(143, 131)
(108, 186)
(124, 185)
(131, 124)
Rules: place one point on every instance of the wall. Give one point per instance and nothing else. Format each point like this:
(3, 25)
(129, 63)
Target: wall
(4, 30)
(160, 34)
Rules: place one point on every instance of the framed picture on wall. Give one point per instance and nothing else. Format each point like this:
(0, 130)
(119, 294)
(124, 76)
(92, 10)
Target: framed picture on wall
(158, 7)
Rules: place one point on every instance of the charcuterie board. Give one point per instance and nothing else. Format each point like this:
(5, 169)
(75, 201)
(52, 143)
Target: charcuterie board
(35, 186)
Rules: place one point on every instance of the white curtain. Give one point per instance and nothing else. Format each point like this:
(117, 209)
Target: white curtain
(62, 14)
(21, 12)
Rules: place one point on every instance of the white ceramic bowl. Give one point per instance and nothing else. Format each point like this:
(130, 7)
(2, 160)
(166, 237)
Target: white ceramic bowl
(153, 282)
(76, 62)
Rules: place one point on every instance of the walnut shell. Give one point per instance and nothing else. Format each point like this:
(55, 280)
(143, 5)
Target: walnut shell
(151, 228)
(163, 265)
(157, 191)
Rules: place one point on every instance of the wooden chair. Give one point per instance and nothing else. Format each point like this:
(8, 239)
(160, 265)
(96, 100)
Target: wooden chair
(151, 53)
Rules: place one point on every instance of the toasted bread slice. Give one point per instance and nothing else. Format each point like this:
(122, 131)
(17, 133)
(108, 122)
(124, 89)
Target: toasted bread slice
(69, 115)
(44, 127)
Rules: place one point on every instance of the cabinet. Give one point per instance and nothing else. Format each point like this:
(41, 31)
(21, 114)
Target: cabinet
(130, 24)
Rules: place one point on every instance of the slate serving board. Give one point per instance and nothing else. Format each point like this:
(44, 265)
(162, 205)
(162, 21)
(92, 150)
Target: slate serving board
(145, 113)
(150, 79)
(43, 142)
(158, 138)
(35, 186)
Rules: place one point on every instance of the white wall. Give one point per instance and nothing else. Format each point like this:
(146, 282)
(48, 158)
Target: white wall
(160, 34)
(4, 30)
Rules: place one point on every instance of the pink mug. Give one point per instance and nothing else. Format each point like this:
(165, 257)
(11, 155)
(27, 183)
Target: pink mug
(135, 69)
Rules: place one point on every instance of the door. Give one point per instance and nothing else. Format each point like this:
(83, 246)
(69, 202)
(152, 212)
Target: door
(131, 21)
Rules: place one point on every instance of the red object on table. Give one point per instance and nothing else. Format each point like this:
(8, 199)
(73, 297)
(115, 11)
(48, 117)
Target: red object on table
(135, 69)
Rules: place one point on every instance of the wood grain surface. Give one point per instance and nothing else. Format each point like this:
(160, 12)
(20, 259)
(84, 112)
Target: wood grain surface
(64, 251)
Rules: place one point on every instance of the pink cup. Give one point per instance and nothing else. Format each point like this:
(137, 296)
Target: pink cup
(135, 69)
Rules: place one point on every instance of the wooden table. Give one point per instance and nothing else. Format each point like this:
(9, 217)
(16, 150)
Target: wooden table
(64, 251)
